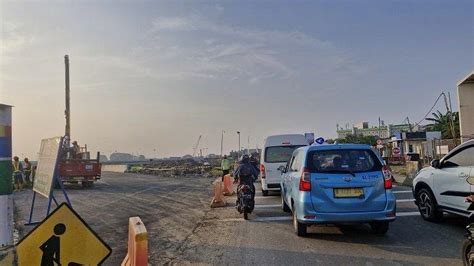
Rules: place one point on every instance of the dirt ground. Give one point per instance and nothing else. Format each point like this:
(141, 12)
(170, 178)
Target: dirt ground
(171, 209)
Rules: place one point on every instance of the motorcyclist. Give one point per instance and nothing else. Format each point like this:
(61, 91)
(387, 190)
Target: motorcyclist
(254, 162)
(246, 173)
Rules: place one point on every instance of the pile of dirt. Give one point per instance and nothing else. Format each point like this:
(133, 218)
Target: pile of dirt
(181, 167)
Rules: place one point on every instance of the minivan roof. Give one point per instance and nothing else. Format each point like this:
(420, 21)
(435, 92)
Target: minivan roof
(338, 147)
(285, 139)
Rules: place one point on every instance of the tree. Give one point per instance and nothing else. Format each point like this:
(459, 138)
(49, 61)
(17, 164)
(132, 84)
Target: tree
(358, 139)
(441, 122)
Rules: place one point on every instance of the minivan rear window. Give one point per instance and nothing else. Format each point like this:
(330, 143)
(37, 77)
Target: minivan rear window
(279, 154)
(343, 161)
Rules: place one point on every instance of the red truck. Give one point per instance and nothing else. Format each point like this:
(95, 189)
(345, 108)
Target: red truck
(80, 168)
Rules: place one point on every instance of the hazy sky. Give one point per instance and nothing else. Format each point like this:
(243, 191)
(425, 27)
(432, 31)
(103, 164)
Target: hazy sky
(151, 76)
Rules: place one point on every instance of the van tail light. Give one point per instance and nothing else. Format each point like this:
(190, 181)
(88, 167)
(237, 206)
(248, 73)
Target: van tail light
(387, 177)
(305, 180)
(262, 171)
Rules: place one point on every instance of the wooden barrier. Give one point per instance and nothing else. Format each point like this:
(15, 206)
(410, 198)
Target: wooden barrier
(137, 254)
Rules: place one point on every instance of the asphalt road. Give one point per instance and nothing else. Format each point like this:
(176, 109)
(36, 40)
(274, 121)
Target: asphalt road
(184, 230)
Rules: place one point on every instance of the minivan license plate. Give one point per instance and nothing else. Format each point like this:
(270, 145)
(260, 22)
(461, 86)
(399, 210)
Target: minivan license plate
(348, 192)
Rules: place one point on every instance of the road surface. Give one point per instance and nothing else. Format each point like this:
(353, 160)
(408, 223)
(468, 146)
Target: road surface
(184, 230)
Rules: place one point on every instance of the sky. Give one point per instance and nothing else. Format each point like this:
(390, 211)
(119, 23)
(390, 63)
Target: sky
(149, 77)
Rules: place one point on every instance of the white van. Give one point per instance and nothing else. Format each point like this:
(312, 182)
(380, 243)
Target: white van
(277, 150)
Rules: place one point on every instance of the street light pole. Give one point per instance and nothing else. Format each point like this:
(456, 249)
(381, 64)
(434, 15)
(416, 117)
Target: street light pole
(222, 143)
(238, 151)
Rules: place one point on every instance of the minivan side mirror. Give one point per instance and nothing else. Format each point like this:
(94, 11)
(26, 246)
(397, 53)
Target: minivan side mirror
(282, 169)
(435, 164)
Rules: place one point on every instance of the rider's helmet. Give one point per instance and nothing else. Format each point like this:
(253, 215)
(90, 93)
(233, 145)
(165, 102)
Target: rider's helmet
(245, 158)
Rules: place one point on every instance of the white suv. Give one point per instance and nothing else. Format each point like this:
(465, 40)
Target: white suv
(444, 185)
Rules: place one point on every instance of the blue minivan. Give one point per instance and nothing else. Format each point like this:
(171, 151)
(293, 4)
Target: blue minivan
(337, 184)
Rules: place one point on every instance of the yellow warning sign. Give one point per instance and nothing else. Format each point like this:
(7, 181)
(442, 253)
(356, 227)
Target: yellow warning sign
(63, 238)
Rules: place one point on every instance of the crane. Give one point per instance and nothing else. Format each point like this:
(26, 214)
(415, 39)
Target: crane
(197, 145)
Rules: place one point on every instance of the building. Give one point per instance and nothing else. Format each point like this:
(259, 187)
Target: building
(466, 107)
(383, 132)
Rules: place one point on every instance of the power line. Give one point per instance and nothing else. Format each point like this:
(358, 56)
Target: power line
(431, 109)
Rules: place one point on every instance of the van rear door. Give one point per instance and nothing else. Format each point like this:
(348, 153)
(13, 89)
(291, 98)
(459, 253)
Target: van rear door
(274, 157)
(346, 180)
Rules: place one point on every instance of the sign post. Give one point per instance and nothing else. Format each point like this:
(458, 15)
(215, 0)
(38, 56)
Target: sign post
(63, 238)
(47, 174)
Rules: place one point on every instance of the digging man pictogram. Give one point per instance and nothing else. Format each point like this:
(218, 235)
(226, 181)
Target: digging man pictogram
(51, 248)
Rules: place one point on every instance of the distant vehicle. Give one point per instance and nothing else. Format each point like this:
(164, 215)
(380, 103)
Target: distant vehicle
(277, 150)
(337, 183)
(443, 186)
(79, 168)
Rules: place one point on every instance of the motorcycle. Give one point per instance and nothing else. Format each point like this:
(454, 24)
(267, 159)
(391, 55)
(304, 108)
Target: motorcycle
(467, 245)
(245, 200)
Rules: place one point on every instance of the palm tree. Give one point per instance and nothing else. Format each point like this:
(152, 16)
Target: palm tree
(441, 122)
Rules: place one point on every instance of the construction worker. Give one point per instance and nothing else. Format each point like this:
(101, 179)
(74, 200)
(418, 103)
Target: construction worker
(17, 173)
(225, 165)
(27, 171)
(75, 150)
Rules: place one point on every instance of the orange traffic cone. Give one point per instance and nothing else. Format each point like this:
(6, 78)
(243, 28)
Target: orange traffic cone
(218, 200)
(228, 189)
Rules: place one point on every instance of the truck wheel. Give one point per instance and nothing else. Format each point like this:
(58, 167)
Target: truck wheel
(87, 184)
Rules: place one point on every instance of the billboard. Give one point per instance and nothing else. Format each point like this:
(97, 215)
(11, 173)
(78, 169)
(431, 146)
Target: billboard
(47, 161)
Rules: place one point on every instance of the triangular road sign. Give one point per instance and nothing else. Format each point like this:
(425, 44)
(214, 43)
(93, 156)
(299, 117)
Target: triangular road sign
(63, 238)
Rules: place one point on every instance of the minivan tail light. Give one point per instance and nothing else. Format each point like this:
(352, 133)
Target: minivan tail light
(262, 171)
(387, 177)
(305, 180)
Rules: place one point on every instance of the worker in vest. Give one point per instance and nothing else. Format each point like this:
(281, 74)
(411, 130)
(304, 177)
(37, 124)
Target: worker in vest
(225, 165)
(27, 171)
(17, 173)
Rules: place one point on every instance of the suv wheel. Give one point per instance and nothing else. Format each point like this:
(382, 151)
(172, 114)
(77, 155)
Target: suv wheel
(427, 206)
(380, 228)
(300, 229)
(284, 206)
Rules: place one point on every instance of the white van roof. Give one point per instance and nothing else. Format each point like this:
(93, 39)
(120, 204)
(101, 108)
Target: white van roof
(286, 139)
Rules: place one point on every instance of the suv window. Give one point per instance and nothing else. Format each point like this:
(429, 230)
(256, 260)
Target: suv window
(296, 163)
(279, 154)
(463, 158)
(346, 160)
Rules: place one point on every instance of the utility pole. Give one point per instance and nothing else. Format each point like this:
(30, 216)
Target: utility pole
(248, 144)
(450, 118)
(379, 129)
(238, 151)
(222, 143)
(67, 113)
(409, 124)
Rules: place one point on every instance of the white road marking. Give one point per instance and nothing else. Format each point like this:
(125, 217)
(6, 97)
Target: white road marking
(266, 197)
(267, 206)
(402, 191)
(274, 218)
(402, 214)
(405, 200)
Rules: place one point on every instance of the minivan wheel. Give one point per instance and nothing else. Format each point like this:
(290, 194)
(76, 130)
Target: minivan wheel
(265, 192)
(300, 229)
(284, 206)
(427, 206)
(380, 228)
